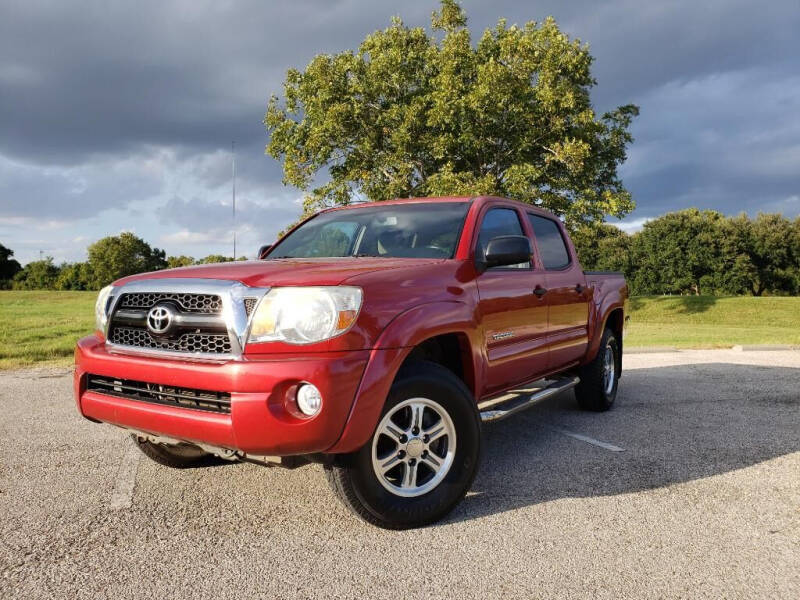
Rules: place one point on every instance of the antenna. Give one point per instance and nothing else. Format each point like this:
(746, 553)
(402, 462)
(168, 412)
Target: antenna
(233, 194)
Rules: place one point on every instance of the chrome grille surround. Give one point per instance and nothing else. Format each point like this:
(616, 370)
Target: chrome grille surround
(236, 300)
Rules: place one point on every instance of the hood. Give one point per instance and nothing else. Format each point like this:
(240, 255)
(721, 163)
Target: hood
(285, 271)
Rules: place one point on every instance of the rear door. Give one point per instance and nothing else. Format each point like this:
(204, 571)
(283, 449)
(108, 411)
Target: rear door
(567, 295)
(514, 318)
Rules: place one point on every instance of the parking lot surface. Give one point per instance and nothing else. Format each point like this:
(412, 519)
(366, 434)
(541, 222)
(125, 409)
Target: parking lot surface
(689, 487)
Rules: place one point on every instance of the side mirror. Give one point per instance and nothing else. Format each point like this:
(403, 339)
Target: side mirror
(264, 250)
(507, 250)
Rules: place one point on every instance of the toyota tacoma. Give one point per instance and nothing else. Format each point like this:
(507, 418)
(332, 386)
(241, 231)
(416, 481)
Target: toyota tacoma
(373, 339)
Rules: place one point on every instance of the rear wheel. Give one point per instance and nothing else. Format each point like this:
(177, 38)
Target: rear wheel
(422, 457)
(176, 456)
(597, 389)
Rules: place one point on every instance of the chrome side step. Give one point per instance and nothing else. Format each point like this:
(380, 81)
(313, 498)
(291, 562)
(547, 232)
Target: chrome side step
(511, 403)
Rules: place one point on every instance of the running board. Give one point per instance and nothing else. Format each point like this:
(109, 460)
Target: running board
(513, 403)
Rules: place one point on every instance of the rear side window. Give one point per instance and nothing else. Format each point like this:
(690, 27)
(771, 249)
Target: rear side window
(497, 222)
(550, 242)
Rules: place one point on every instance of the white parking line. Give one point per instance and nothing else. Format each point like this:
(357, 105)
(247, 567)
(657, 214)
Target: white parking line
(587, 439)
(122, 494)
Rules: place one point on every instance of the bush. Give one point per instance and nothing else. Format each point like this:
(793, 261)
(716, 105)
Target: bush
(37, 275)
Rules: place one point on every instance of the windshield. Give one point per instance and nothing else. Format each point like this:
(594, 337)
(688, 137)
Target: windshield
(424, 230)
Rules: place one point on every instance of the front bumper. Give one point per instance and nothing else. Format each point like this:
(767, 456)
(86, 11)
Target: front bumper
(258, 423)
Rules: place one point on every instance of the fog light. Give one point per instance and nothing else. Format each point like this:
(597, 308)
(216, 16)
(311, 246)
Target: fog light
(309, 400)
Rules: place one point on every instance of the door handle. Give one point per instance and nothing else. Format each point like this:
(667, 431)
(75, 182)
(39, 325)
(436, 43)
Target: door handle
(540, 291)
(580, 288)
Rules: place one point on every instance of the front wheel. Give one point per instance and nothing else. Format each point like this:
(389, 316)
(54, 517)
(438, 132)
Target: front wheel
(422, 457)
(597, 389)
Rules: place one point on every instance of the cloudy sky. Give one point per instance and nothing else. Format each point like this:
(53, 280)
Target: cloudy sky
(119, 116)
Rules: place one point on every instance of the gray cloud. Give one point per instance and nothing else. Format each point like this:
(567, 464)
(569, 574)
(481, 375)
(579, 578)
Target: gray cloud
(70, 193)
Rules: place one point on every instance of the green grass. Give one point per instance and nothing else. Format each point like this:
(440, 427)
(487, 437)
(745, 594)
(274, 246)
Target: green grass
(708, 322)
(42, 327)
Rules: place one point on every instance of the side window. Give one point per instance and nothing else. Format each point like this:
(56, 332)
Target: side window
(551, 245)
(497, 222)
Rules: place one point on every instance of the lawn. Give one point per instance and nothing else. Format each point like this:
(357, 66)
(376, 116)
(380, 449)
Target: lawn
(41, 327)
(708, 322)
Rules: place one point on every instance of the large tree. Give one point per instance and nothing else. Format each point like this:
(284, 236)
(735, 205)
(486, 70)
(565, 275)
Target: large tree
(678, 253)
(737, 243)
(125, 254)
(775, 254)
(415, 114)
(760, 255)
(601, 246)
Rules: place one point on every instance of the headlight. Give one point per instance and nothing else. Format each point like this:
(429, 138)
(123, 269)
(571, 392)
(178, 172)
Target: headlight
(304, 315)
(100, 306)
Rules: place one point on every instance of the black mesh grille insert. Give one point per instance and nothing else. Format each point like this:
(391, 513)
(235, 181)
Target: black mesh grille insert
(199, 303)
(249, 305)
(219, 402)
(213, 343)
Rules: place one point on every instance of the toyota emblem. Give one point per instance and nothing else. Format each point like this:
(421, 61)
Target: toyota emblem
(159, 319)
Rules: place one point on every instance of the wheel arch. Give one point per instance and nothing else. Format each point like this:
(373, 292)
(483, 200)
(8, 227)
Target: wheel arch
(612, 316)
(440, 332)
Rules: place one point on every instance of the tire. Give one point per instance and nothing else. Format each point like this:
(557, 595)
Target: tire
(181, 456)
(600, 378)
(394, 500)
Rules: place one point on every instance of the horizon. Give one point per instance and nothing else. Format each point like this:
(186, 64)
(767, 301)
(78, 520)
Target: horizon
(121, 121)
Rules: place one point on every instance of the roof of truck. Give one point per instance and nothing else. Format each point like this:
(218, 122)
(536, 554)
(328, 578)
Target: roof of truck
(436, 199)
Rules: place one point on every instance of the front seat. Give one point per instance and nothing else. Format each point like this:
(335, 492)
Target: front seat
(393, 242)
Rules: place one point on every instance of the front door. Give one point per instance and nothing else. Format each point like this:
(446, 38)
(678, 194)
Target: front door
(567, 295)
(514, 318)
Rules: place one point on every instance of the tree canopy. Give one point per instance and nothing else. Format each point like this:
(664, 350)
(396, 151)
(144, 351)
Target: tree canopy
(417, 114)
(8, 266)
(120, 255)
(699, 252)
(37, 275)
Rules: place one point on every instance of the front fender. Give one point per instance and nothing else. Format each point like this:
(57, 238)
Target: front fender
(398, 339)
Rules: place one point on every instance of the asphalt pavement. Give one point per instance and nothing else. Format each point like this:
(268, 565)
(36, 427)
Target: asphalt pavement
(689, 487)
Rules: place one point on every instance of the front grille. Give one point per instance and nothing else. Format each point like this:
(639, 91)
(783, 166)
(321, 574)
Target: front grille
(213, 343)
(197, 303)
(198, 329)
(219, 402)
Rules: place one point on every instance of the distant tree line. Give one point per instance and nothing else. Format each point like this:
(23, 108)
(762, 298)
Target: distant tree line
(108, 259)
(685, 252)
(699, 252)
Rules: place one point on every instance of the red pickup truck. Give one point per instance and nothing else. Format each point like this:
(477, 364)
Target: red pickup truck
(373, 339)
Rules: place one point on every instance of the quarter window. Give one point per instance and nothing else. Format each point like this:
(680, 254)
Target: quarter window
(551, 244)
(497, 222)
